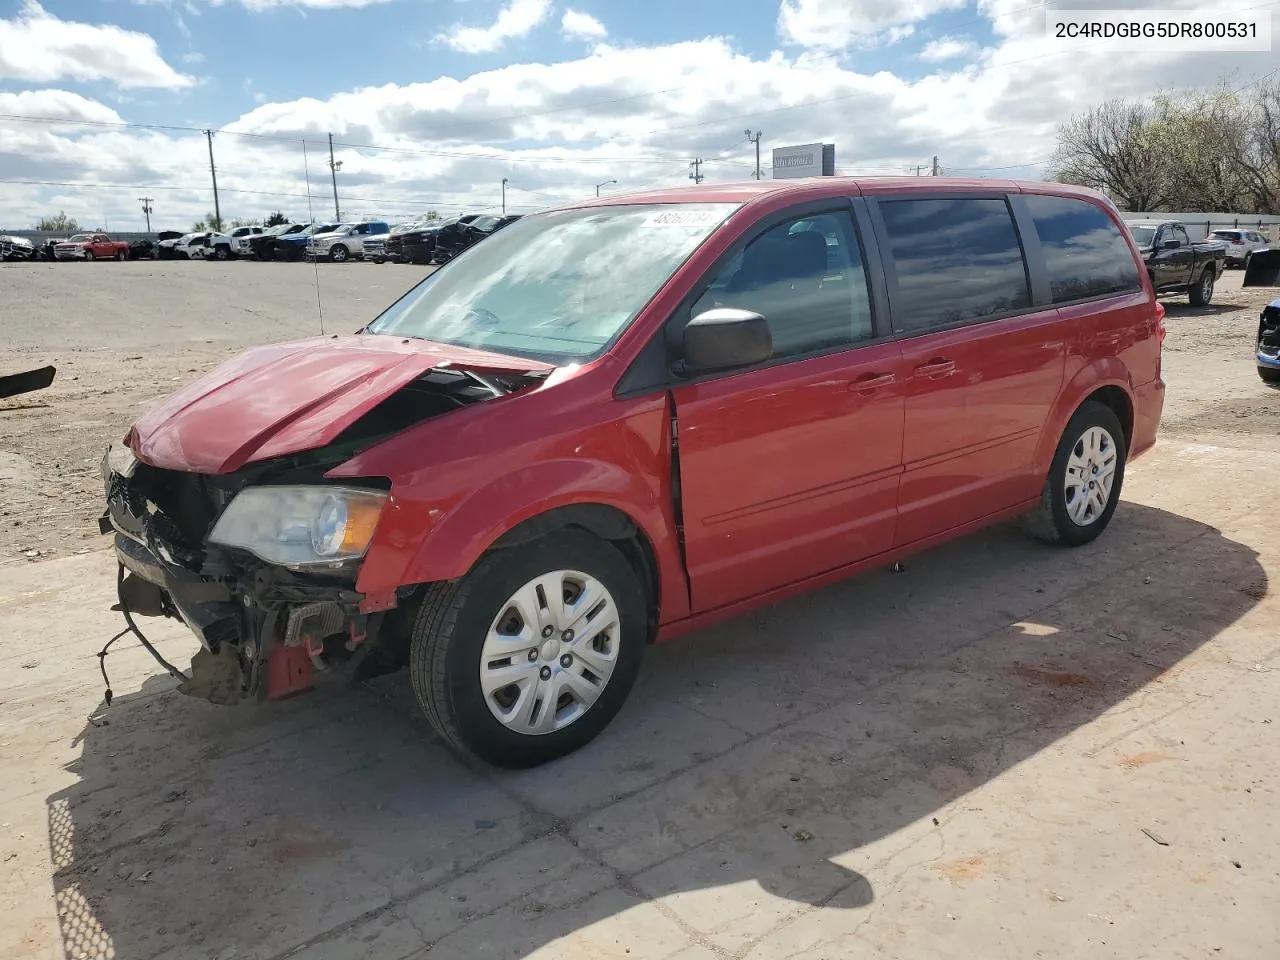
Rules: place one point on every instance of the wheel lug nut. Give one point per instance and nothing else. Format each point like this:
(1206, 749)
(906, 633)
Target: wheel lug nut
(545, 673)
(548, 630)
(566, 660)
(567, 636)
(533, 655)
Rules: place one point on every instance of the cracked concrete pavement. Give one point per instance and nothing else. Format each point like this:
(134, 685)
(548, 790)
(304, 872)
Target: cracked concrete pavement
(1004, 750)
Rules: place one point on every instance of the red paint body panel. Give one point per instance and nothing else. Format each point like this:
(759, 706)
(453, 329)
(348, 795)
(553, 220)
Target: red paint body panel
(289, 397)
(788, 479)
(972, 428)
(788, 468)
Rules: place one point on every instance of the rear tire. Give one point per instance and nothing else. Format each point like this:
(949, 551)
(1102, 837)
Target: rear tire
(453, 645)
(1269, 375)
(1092, 451)
(121, 256)
(1201, 292)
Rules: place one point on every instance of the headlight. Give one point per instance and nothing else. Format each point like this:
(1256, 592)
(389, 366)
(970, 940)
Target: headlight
(301, 526)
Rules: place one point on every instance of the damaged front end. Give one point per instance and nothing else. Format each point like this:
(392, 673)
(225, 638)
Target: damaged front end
(261, 562)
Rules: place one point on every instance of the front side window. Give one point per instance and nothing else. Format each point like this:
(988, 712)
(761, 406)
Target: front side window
(806, 278)
(1084, 251)
(957, 261)
(1180, 235)
(557, 286)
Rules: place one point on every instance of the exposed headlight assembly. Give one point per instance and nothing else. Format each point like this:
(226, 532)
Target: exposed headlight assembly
(301, 526)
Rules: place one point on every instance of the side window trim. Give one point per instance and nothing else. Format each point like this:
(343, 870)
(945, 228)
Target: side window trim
(1033, 258)
(882, 242)
(643, 375)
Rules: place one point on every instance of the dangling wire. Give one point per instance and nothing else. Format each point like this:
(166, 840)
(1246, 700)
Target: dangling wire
(131, 627)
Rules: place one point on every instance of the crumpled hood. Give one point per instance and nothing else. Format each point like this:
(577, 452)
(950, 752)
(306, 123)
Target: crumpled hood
(286, 398)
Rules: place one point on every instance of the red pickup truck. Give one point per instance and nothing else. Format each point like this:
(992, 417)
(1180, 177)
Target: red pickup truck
(91, 246)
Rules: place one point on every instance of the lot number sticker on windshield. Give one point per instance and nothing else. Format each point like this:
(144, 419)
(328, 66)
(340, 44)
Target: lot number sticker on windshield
(684, 218)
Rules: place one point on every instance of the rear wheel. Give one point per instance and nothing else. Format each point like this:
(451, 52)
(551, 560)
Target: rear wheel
(1083, 487)
(121, 256)
(532, 654)
(1201, 291)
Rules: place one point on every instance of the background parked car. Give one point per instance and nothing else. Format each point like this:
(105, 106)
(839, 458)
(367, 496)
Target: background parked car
(262, 246)
(227, 246)
(469, 234)
(190, 247)
(1177, 265)
(449, 236)
(1241, 245)
(13, 249)
(166, 241)
(416, 244)
(142, 250)
(375, 246)
(345, 242)
(293, 246)
(91, 246)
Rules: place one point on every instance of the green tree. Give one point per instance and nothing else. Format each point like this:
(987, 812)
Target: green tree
(59, 224)
(209, 222)
(242, 222)
(276, 219)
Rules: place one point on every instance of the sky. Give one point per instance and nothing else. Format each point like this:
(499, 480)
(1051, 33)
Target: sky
(432, 104)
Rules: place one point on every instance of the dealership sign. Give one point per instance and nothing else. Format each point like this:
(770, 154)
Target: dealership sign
(806, 160)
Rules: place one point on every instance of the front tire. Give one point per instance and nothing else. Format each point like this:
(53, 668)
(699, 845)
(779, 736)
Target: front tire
(1201, 291)
(1269, 375)
(1083, 486)
(516, 675)
(338, 253)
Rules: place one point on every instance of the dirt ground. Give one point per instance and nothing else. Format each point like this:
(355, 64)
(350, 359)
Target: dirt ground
(1006, 750)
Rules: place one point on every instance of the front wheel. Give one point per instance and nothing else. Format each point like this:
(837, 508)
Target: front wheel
(1269, 375)
(532, 654)
(1083, 487)
(338, 253)
(1201, 291)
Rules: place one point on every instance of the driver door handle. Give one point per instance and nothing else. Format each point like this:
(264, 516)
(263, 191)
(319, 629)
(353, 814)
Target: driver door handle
(872, 381)
(935, 368)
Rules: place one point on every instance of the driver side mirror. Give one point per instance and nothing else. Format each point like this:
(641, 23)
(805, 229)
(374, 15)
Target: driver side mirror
(724, 338)
(1171, 245)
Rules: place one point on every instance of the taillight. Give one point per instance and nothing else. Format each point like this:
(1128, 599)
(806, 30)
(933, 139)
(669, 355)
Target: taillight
(1161, 331)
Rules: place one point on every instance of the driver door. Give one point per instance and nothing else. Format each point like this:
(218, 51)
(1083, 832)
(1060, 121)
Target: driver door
(791, 468)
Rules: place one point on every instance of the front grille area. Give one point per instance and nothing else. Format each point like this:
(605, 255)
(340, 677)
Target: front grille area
(165, 508)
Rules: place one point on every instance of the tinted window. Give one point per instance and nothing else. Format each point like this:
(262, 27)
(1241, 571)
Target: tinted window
(1179, 234)
(806, 278)
(957, 260)
(1084, 250)
(1232, 235)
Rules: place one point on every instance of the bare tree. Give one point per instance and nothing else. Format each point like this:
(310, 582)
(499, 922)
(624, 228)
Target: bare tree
(1113, 147)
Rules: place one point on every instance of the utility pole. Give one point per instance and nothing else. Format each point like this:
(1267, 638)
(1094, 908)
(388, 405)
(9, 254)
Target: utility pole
(213, 172)
(695, 170)
(334, 166)
(146, 210)
(935, 165)
(756, 140)
(919, 167)
(605, 184)
(504, 196)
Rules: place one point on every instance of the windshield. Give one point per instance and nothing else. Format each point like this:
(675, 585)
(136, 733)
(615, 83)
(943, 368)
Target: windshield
(81, 237)
(1143, 235)
(484, 223)
(557, 286)
(1232, 235)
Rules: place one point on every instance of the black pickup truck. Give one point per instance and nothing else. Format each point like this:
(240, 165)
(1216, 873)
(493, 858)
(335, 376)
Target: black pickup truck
(1175, 263)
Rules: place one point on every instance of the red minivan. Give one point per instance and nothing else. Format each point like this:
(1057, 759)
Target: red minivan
(616, 421)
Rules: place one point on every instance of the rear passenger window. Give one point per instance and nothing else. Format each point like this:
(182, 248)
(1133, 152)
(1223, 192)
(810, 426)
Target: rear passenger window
(1084, 250)
(957, 261)
(806, 278)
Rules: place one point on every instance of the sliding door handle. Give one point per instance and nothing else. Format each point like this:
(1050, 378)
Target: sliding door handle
(872, 381)
(935, 368)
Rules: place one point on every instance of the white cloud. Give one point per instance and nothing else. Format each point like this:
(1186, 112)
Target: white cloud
(518, 18)
(635, 114)
(577, 25)
(193, 56)
(840, 24)
(947, 48)
(56, 105)
(37, 47)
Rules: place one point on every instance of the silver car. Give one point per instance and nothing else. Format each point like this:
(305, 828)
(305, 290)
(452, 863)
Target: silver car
(1241, 245)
